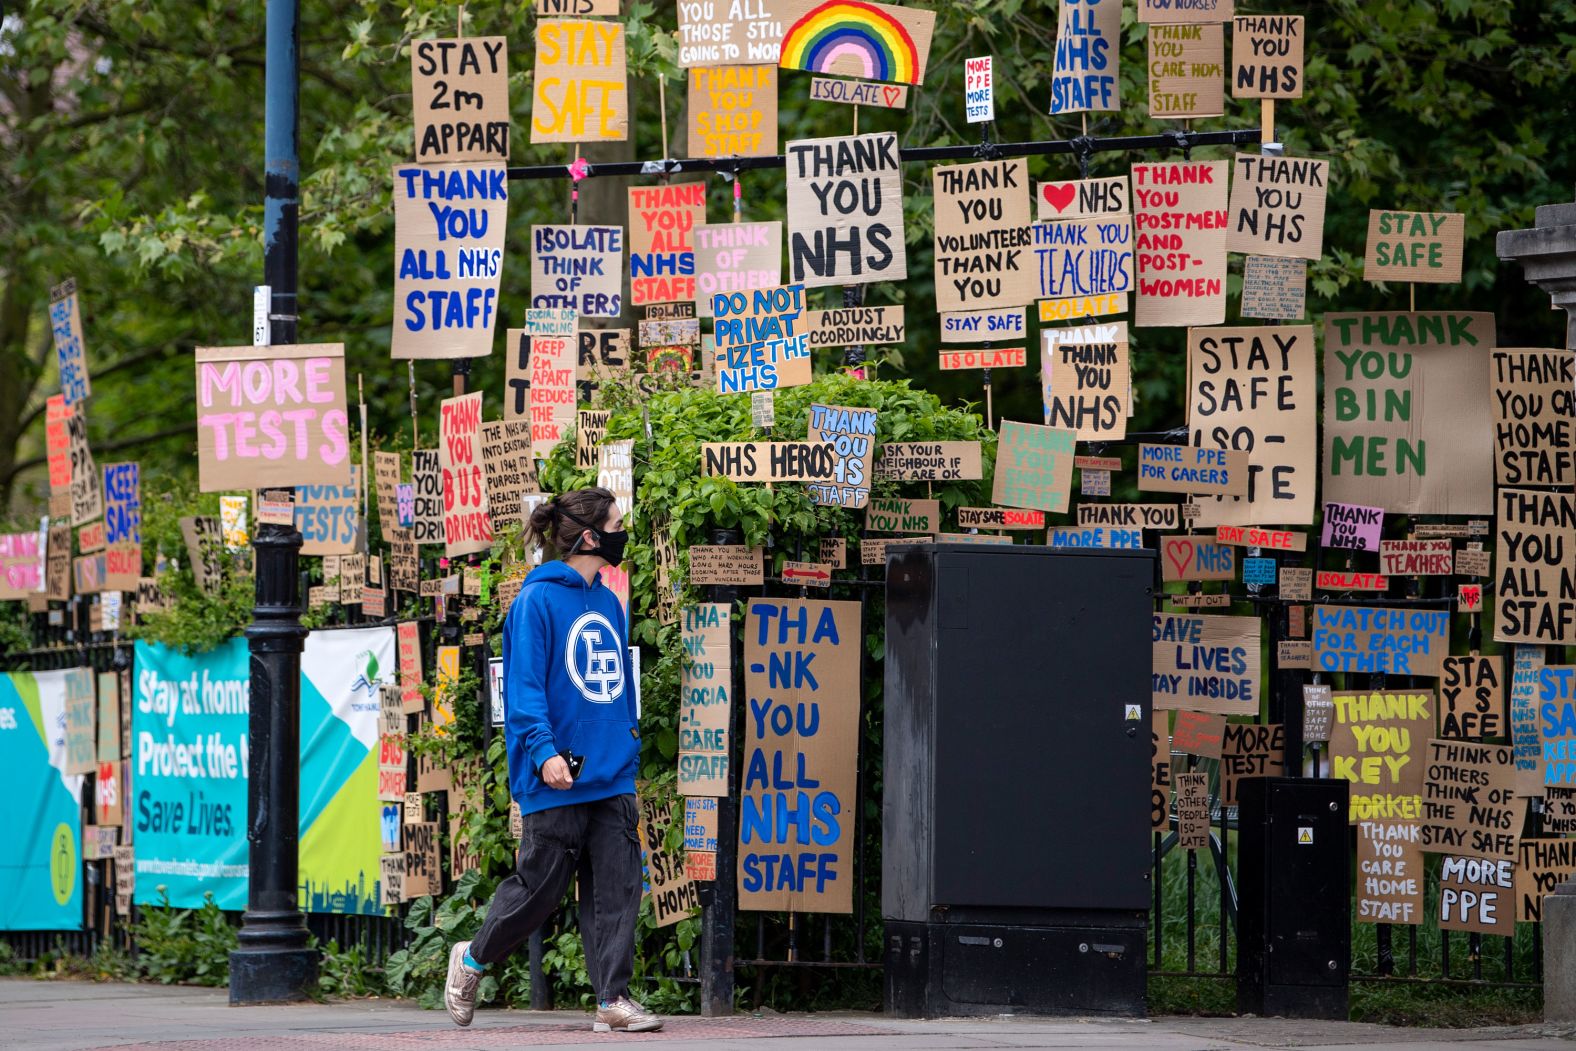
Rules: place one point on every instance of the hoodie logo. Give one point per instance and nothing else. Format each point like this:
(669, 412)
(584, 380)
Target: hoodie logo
(595, 664)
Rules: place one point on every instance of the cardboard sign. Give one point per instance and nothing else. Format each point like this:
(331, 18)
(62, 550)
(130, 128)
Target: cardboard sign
(391, 744)
(982, 235)
(81, 706)
(108, 793)
(1389, 873)
(979, 90)
(1417, 558)
(57, 564)
(122, 526)
(590, 431)
(1084, 198)
(1375, 640)
(1266, 56)
(1159, 770)
(1541, 865)
(855, 326)
(1196, 733)
(1274, 287)
(1132, 516)
(1193, 816)
(1469, 598)
(22, 564)
(706, 699)
(761, 343)
(874, 552)
(733, 111)
(552, 394)
(385, 475)
(807, 574)
(855, 93)
(1083, 259)
(1248, 750)
(87, 499)
(724, 564)
(1085, 380)
(205, 550)
(449, 224)
(674, 895)
(1335, 580)
(1253, 536)
(1349, 527)
(1187, 70)
(580, 268)
(580, 92)
(615, 472)
(984, 358)
(1086, 75)
(466, 525)
(1254, 389)
(1559, 810)
(1206, 663)
(1034, 466)
(57, 442)
(607, 8)
(1534, 416)
(999, 518)
(1087, 536)
(1378, 745)
(1476, 894)
(1380, 448)
(88, 574)
(460, 99)
(735, 257)
(1277, 206)
(892, 515)
(715, 33)
(768, 461)
(1180, 221)
(700, 824)
(857, 39)
(1470, 806)
(834, 552)
(928, 461)
(604, 356)
(1082, 306)
(1296, 584)
(423, 874)
(1176, 11)
(1422, 247)
(65, 325)
(971, 326)
(508, 471)
(845, 211)
(1535, 600)
(1190, 469)
(427, 478)
(1318, 714)
(661, 256)
(1556, 724)
(850, 434)
(408, 649)
(801, 749)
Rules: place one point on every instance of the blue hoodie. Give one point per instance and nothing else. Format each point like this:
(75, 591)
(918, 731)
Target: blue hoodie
(567, 688)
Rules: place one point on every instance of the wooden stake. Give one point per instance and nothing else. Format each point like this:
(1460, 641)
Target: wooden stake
(856, 118)
(990, 412)
(459, 24)
(365, 460)
(662, 108)
(415, 440)
(1411, 296)
(1266, 121)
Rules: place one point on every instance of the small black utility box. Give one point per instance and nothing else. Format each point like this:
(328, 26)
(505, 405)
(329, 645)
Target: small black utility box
(1294, 933)
(1015, 829)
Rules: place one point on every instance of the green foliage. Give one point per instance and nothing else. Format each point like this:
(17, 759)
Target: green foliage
(188, 946)
(346, 973)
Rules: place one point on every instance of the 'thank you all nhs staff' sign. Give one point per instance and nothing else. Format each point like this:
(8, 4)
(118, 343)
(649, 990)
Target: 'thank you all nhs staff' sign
(448, 250)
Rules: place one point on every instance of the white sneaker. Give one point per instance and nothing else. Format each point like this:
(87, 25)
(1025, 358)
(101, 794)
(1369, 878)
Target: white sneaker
(459, 990)
(625, 1016)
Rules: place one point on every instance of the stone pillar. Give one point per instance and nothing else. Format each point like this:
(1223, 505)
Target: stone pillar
(1547, 254)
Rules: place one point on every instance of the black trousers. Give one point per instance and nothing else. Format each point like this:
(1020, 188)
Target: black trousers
(598, 840)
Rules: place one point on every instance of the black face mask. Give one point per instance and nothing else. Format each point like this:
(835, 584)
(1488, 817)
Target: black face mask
(611, 546)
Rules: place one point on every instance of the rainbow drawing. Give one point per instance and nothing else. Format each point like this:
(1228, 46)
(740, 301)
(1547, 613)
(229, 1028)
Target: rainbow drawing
(853, 38)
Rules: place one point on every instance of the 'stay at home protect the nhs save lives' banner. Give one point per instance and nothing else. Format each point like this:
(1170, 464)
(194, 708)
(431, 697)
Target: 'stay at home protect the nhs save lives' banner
(189, 727)
(40, 826)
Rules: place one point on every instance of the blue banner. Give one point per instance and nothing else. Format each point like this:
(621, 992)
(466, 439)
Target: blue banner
(41, 824)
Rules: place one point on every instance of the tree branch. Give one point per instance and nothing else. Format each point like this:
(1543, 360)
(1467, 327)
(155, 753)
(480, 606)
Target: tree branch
(108, 447)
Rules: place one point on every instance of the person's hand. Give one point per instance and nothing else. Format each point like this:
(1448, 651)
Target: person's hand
(555, 772)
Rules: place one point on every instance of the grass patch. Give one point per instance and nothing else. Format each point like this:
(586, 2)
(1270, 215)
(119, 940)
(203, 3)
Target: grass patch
(1441, 1006)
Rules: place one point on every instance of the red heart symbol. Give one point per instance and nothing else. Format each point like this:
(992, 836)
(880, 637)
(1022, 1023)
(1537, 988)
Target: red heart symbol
(1174, 548)
(1058, 197)
(892, 95)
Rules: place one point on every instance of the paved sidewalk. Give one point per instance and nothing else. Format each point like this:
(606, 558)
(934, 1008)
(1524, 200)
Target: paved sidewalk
(74, 1016)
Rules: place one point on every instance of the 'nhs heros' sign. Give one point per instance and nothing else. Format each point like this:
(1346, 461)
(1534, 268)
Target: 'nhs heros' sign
(801, 754)
(448, 245)
(763, 342)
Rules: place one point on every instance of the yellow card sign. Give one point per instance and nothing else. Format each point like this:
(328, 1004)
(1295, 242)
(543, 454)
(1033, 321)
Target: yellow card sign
(581, 89)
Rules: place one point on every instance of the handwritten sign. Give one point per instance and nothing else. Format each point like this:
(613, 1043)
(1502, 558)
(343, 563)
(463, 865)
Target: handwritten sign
(982, 235)
(427, 506)
(1083, 259)
(1534, 416)
(768, 461)
(57, 441)
(1422, 247)
(867, 40)
(448, 242)
(733, 112)
(1248, 750)
(760, 339)
(460, 99)
(1196, 558)
(87, 499)
(1277, 206)
(65, 325)
(1470, 806)
(1541, 865)
(1159, 770)
(1084, 373)
(719, 32)
(1198, 733)
(1378, 745)
(724, 564)
(1389, 873)
(801, 747)
(1085, 77)
(855, 93)
(1274, 287)
(22, 564)
(952, 360)
(674, 895)
(850, 434)
(1477, 894)
(1175, 11)
(122, 526)
(979, 90)
(928, 461)
(1190, 469)
(1084, 198)
(1416, 558)
(1206, 663)
(1349, 527)
(661, 257)
(579, 268)
(1380, 641)
(1034, 466)
(1253, 536)
(1193, 815)
(736, 257)
(706, 699)
(466, 525)
(580, 92)
(1526, 672)
(1266, 53)
(968, 326)
(1180, 219)
(845, 211)
(855, 326)
(893, 515)
(508, 469)
(1380, 448)
(1556, 694)
(1134, 516)
(1536, 596)
(1187, 70)
(999, 518)
(328, 516)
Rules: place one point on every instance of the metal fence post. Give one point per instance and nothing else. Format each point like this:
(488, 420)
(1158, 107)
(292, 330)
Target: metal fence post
(717, 918)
